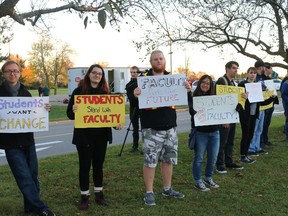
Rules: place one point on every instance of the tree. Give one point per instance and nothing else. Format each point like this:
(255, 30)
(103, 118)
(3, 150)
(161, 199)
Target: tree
(253, 28)
(50, 61)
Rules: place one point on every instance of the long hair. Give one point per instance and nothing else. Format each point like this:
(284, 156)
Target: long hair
(198, 91)
(85, 83)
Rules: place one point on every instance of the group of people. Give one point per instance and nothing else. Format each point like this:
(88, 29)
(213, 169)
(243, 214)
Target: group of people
(43, 91)
(159, 136)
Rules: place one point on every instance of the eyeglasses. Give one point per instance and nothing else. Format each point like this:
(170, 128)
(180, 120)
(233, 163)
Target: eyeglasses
(96, 73)
(12, 71)
(205, 83)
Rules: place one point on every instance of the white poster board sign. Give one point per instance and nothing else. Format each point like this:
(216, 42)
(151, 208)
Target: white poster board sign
(215, 109)
(162, 91)
(254, 92)
(23, 114)
(270, 85)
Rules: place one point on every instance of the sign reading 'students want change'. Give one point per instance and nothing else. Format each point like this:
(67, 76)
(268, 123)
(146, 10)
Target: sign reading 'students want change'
(162, 91)
(23, 114)
(96, 111)
(215, 109)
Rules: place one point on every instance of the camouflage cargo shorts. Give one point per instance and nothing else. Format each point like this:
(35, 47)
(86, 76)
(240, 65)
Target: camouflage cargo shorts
(159, 146)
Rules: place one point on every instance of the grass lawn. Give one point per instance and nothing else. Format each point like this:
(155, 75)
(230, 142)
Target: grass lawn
(260, 189)
(60, 91)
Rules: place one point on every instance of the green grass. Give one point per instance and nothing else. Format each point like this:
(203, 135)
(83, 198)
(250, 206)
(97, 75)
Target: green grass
(60, 91)
(260, 189)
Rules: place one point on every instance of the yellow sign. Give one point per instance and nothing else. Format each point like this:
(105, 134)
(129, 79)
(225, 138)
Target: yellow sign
(225, 89)
(95, 111)
(266, 95)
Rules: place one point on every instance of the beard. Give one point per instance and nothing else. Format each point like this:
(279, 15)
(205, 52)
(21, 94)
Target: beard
(159, 69)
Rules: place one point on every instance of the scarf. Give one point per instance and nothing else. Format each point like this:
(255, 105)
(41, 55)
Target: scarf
(12, 89)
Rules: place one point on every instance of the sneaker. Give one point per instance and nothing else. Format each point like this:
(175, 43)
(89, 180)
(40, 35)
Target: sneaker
(253, 154)
(268, 143)
(84, 202)
(133, 150)
(247, 160)
(234, 166)
(263, 152)
(210, 183)
(99, 198)
(173, 193)
(149, 199)
(47, 212)
(221, 170)
(201, 186)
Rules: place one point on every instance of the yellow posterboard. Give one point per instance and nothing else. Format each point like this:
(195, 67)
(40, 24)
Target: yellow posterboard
(266, 95)
(95, 111)
(225, 89)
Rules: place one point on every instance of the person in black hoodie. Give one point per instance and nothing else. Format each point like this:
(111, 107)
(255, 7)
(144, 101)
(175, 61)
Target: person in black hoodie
(134, 107)
(248, 118)
(20, 147)
(91, 143)
(207, 140)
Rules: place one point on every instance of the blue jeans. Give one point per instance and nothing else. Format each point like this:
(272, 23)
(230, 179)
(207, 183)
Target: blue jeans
(255, 142)
(24, 166)
(205, 142)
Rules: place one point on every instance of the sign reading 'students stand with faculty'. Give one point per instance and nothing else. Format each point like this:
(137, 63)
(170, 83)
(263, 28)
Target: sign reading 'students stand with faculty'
(162, 91)
(23, 114)
(95, 111)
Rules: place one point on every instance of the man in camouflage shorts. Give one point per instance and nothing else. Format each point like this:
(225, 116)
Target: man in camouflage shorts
(160, 142)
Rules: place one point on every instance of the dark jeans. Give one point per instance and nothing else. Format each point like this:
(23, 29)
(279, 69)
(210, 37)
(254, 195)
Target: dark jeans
(286, 123)
(24, 166)
(95, 154)
(134, 117)
(226, 145)
(266, 124)
(247, 126)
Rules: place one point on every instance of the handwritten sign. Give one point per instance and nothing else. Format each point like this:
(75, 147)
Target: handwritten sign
(23, 114)
(270, 85)
(215, 109)
(225, 89)
(96, 111)
(254, 92)
(161, 91)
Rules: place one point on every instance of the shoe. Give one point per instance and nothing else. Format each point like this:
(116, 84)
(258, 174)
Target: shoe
(47, 212)
(268, 143)
(201, 186)
(84, 202)
(149, 199)
(211, 183)
(234, 166)
(247, 160)
(173, 193)
(263, 152)
(253, 154)
(99, 198)
(221, 170)
(133, 150)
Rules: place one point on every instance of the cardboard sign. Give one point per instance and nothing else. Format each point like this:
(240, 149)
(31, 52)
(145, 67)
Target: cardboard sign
(225, 89)
(254, 92)
(162, 91)
(23, 114)
(215, 109)
(266, 95)
(95, 111)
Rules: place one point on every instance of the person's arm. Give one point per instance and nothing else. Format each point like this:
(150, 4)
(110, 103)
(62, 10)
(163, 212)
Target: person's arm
(70, 112)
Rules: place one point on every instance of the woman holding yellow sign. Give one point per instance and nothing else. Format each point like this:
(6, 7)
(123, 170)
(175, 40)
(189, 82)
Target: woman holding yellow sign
(91, 143)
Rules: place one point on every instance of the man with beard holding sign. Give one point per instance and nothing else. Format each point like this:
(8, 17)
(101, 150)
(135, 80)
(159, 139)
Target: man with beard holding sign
(160, 141)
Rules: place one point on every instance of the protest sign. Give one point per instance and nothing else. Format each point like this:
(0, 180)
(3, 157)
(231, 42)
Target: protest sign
(96, 111)
(215, 109)
(225, 89)
(254, 92)
(23, 114)
(270, 85)
(266, 95)
(162, 91)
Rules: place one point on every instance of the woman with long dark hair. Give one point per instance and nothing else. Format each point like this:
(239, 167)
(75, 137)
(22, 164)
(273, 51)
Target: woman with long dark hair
(207, 140)
(91, 143)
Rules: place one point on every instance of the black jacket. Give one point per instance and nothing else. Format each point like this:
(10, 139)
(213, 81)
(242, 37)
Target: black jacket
(84, 136)
(130, 92)
(13, 140)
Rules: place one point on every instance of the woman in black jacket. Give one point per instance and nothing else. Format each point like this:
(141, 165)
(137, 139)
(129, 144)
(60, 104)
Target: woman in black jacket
(248, 117)
(91, 143)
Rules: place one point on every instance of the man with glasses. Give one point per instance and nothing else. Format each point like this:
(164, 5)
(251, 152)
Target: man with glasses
(134, 107)
(227, 131)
